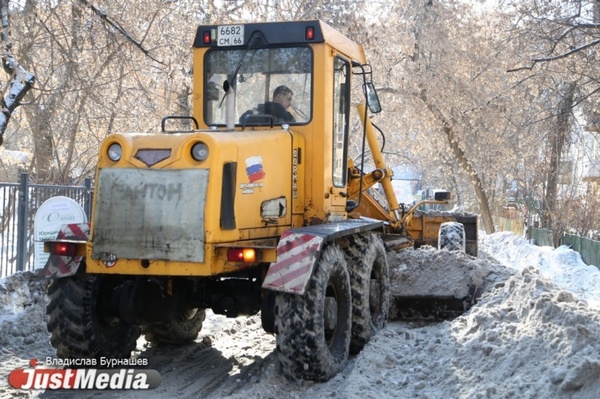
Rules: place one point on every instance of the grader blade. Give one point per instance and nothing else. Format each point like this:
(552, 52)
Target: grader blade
(431, 307)
(431, 284)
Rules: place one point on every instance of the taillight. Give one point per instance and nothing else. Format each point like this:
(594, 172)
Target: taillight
(206, 37)
(241, 255)
(310, 33)
(62, 248)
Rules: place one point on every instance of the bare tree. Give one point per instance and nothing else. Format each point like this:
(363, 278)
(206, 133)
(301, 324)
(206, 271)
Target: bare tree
(102, 68)
(558, 42)
(19, 81)
(452, 100)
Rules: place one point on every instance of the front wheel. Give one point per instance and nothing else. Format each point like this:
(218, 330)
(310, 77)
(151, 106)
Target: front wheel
(452, 237)
(313, 330)
(184, 330)
(80, 323)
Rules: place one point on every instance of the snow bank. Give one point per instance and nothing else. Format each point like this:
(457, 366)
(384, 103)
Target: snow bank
(527, 338)
(561, 265)
(19, 292)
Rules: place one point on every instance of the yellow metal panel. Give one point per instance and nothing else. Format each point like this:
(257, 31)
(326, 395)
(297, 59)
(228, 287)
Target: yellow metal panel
(318, 156)
(216, 264)
(343, 44)
(272, 152)
(269, 151)
(198, 85)
(298, 177)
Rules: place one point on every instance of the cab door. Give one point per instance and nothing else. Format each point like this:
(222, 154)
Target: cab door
(341, 117)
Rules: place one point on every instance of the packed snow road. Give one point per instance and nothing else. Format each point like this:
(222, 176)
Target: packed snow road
(534, 334)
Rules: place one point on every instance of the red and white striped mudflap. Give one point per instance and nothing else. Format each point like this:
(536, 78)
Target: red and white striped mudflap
(63, 266)
(75, 231)
(296, 257)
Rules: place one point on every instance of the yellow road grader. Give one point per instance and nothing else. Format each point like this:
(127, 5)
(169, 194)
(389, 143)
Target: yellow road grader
(245, 206)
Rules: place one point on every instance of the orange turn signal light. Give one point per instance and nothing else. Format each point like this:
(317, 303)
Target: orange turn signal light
(241, 255)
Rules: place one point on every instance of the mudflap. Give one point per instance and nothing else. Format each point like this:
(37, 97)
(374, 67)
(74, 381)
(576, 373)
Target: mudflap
(59, 266)
(299, 250)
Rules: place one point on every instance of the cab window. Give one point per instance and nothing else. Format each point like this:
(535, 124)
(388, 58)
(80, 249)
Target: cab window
(272, 85)
(341, 104)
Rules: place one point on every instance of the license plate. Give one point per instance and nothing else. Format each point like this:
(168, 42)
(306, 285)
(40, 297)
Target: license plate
(230, 35)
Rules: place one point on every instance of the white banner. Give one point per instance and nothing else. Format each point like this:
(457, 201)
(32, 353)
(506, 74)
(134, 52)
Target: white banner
(50, 217)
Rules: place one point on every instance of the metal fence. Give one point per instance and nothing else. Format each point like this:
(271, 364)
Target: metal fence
(587, 248)
(18, 205)
(540, 237)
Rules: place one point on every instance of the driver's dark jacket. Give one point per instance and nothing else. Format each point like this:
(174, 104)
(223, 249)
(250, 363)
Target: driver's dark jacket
(269, 108)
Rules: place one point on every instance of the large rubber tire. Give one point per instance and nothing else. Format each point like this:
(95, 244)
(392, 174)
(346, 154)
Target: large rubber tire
(80, 323)
(370, 282)
(452, 237)
(176, 332)
(307, 348)
(267, 312)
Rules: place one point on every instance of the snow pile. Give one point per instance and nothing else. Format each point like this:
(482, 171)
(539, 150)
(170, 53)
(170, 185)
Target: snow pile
(533, 339)
(23, 333)
(427, 271)
(19, 292)
(527, 338)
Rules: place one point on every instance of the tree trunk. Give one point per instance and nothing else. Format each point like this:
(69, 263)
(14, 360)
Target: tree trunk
(21, 81)
(558, 137)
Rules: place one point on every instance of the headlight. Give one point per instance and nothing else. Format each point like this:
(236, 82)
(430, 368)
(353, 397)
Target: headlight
(200, 151)
(114, 152)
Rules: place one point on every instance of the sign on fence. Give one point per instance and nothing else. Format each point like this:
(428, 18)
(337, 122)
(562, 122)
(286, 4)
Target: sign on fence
(49, 218)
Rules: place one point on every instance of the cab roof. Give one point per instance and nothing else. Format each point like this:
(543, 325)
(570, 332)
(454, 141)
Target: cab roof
(274, 34)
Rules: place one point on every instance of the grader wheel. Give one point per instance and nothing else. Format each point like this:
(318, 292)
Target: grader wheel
(369, 279)
(182, 331)
(313, 330)
(80, 322)
(452, 236)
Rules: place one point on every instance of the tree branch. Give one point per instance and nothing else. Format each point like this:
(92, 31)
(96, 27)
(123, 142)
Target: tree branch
(556, 57)
(119, 28)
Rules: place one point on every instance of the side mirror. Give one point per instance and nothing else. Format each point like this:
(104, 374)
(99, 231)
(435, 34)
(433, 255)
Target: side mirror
(372, 98)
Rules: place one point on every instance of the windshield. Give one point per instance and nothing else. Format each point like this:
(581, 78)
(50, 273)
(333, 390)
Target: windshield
(272, 85)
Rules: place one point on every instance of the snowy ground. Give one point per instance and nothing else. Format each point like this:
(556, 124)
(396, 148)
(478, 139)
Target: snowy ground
(534, 334)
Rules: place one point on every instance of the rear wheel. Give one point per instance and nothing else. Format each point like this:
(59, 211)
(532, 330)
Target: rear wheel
(80, 322)
(313, 330)
(369, 278)
(182, 331)
(452, 236)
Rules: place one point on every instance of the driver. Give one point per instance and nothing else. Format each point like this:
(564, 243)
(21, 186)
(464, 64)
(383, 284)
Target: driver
(282, 99)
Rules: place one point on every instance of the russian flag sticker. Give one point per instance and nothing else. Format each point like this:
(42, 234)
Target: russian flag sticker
(254, 168)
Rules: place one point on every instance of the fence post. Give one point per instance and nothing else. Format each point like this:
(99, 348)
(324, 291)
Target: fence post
(87, 200)
(22, 212)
